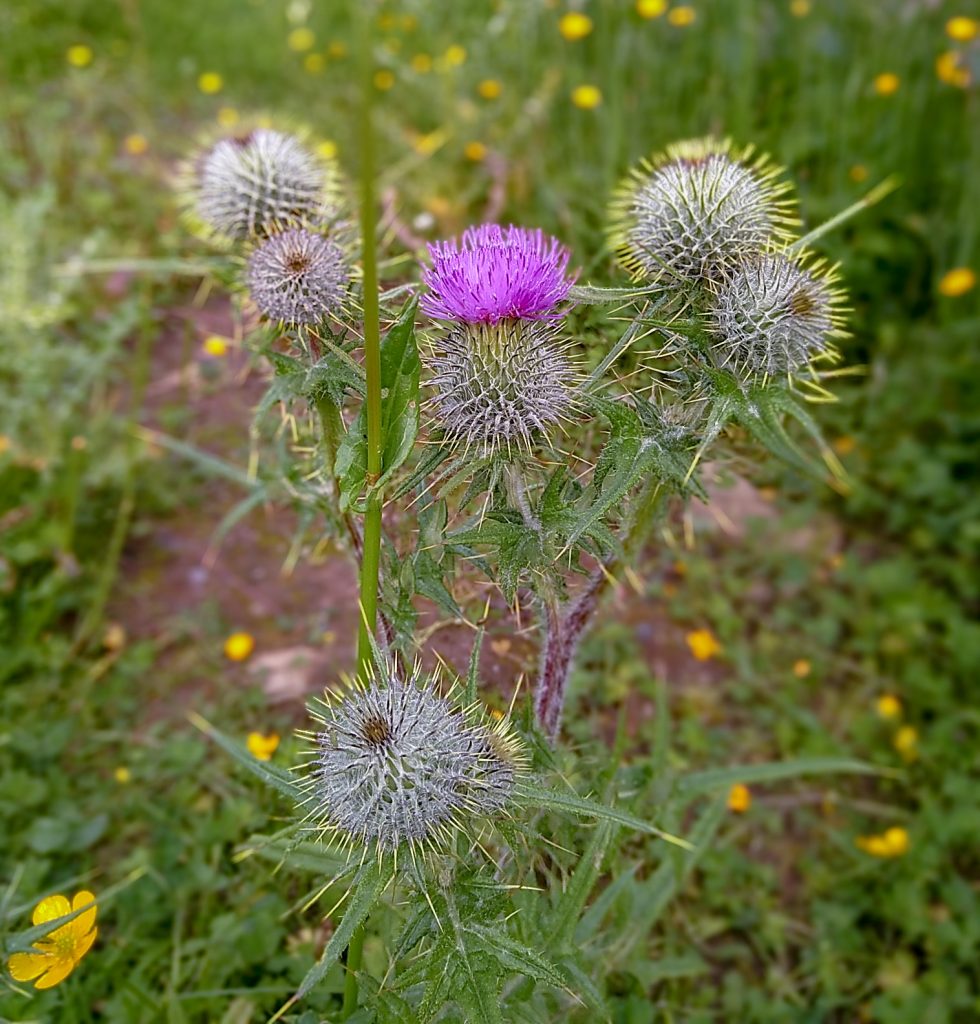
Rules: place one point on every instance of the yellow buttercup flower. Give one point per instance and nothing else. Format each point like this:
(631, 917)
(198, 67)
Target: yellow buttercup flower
(887, 83)
(227, 117)
(383, 80)
(314, 63)
(682, 16)
(957, 282)
(262, 747)
(427, 143)
(893, 842)
(239, 646)
(454, 56)
(300, 40)
(210, 82)
(574, 26)
(79, 56)
(888, 706)
(650, 8)
(906, 742)
(475, 151)
(123, 775)
(586, 97)
(799, 8)
(59, 952)
(962, 29)
(949, 69)
(801, 668)
(135, 144)
(337, 50)
(327, 149)
(215, 345)
(739, 798)
(703, 644)
(490, 88)
(858, 173)
(422, 63)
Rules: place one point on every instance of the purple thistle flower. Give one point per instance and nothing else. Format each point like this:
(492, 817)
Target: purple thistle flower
(497, 273)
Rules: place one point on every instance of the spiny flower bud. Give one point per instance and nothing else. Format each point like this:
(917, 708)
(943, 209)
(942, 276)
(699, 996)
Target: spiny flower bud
(297, 276)
(394, 762)
(774, 314)
(496, 273)
(501, 384)
(247, 185)
(697, 209)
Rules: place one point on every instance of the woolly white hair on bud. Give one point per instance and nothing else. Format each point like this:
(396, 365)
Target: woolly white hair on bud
(244, 186)
(394, 762)
(698, 208)
(297, 276)
(502, 384)
(774, 314)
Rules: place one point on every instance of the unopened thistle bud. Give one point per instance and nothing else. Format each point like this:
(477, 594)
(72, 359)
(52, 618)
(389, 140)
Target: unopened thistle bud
(500, 385)
(697, 209)
(395, 763)
(497, 273)
(297, 276)
(248, 185)
(773, 314)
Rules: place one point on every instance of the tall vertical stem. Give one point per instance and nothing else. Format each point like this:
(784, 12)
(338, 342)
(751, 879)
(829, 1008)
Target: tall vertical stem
(371, 550)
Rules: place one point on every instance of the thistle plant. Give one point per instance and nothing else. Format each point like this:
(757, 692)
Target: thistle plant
(534, 473)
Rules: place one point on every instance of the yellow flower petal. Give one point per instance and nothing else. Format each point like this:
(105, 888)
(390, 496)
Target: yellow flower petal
(210, 82)
(886, 83)
(239, 646)
(703, 644)
(27, 966)
(85, 943)
(739, 798)
(888, 706)
(681, 17)
(262, 747)
(574, 26)
(650, 8)
(896, 840)
(962, 29)
(56, 975)
(957, 282)
(489, 88)
(51, 908)
(86, 920)
(586, 97)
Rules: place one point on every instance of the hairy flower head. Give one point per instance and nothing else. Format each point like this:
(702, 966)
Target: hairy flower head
(773, 314)
(259, 180)
(698, 208)
(496, 273)
(297, 276)
(501, 384)
(394, 763)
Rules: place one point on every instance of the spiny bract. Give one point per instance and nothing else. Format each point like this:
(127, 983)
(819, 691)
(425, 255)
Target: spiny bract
(773, 314)
(502, 384)
(297, 276)
(394, 762)
(247, 185)
(696, 209)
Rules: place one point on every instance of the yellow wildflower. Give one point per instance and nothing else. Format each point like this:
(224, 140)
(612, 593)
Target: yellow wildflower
(888, 706)
(962, 29)
(949, 69)
(650, 8)
(122, 775)
(135, 144)
(703, 644)
(239, 646)
(801, 668)
(210, 82)
(327, 149)
(422, 63)
(886, 83)
(215, 345)
(383, 80)
(586, 97)
(799, 8)
(906, 742)
(454, 56)
(262, 747)
(337, 50)
(227, 117)
(5, 444)
(314, 63)
(893, 842)
(858, 173)
(682, 16)
(574, 26)
(428, 143)
(739, 798)
(60, 951)
(79, 55)
(475, 151)
(490, 88)
(957, 282)
(300, 40)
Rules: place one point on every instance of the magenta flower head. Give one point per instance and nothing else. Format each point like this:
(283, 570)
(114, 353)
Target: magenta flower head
(496, 274)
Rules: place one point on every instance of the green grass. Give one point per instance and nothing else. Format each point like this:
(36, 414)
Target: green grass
(784, 919)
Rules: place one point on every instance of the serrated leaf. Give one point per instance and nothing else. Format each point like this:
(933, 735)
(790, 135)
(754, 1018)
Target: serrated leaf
(515, 956)
(583, 879)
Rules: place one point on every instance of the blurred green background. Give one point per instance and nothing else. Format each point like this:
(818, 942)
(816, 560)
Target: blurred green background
(795, 621)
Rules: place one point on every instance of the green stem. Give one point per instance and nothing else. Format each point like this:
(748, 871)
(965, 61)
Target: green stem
(371, 555)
